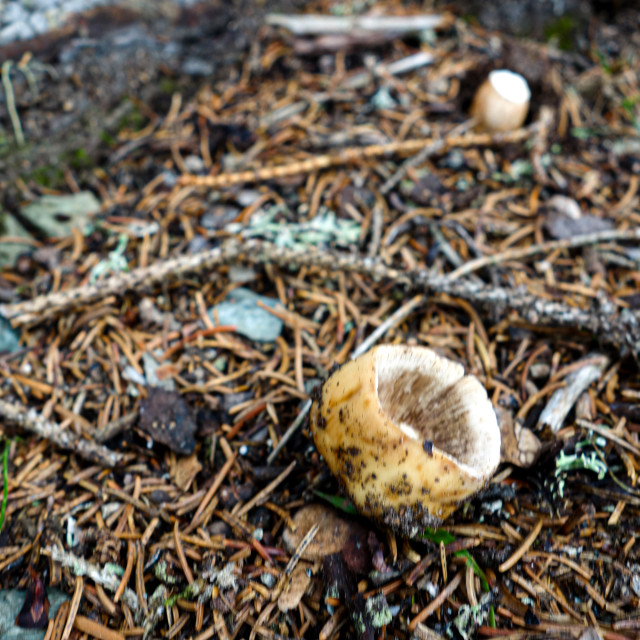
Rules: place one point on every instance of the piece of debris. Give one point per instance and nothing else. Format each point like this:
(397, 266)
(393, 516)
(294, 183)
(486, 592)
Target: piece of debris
(241, 310)
(168, 419)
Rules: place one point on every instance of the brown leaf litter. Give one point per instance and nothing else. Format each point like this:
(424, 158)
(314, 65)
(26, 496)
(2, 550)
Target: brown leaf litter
(160, 468)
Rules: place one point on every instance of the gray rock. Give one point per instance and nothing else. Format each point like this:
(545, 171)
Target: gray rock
(241, 310)
(39, 23)
(9, 337)
(197, 67)
(194, 164)
(44, 5)
(15, 12)
(55, 215)
(15, 31)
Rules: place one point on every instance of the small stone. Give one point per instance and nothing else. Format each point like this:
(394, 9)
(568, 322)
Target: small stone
(15, 31)
(169, 178)
(453, 160)
(218, 217)
(44, 5)
(197, 67)
(39, 23)
(241, 310)
(539, 370)
(333, 534)
(14, 13)
(194, 164)
(247, 197)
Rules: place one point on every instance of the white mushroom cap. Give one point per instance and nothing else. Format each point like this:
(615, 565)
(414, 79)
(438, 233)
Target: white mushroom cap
(502, 101)
(510, 86)
(407, 434)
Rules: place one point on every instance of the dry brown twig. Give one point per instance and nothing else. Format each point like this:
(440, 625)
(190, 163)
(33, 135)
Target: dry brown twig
(518, 253)
(354, 155)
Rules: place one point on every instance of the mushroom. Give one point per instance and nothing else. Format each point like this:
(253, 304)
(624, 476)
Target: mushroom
(407, 434)
(502, 101)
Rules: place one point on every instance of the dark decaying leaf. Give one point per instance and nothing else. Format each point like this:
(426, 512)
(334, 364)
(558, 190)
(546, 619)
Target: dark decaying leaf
(35, 610)
(168, 419)
(368, 615)
(341, 583)
(563, 227)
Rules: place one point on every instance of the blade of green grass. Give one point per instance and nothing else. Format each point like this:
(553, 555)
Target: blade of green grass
(439, 535)
(339, 503)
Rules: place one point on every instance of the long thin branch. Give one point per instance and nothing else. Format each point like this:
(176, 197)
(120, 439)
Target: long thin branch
(352, 155)
(31, 420)
(100, 575)
(621, 329)
(517, 253)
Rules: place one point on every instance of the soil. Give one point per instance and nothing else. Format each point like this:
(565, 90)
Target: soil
(111, 70)
(349, 212)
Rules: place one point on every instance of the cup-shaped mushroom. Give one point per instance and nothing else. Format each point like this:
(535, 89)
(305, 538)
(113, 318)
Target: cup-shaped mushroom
(407, 434)
(502, 101)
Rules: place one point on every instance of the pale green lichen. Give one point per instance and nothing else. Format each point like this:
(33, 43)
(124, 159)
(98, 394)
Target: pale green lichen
(160, 572)
(378, 611)
(470, 618)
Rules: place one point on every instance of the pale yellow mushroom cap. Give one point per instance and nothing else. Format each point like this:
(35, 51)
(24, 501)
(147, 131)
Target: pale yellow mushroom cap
(407, 434)
(501, 102)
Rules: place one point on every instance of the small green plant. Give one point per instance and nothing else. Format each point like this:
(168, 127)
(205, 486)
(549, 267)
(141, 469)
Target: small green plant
(604, 63)
(47, 176)
(440, 535)
(629, 105)
(562, 33)
(115, 263)
(580, 460)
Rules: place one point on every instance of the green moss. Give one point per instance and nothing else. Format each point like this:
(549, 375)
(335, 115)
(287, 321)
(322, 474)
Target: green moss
(47, 175)
(80, 159)
(107, 139)
(168, 85)
(132, 119)
(562, 33)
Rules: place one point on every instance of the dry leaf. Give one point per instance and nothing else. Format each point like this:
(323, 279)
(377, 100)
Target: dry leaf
(167, 418)
(333, 533)
(520, 446)
(184, 470)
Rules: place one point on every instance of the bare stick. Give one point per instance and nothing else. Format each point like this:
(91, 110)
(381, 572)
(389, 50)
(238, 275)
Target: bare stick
(319, 24)
(352, 155)
(394, 319)
(534, 249)
(31, 420)
(562, 400)
(621, 329)
(293, 427)
(47, 306)
(100, 575)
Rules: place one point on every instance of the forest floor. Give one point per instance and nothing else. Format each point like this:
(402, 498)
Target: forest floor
(224, 211)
